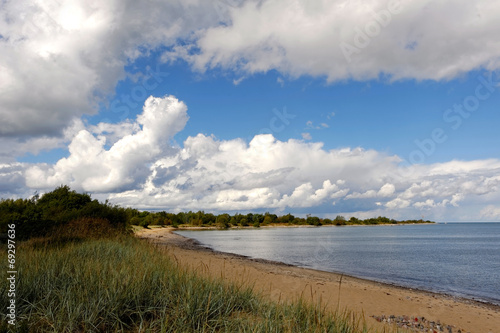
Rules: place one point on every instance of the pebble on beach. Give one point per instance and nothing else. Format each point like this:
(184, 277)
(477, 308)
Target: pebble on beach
(418, 324)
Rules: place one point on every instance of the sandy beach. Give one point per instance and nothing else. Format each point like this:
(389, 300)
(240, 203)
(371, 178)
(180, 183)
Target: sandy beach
(281, 282)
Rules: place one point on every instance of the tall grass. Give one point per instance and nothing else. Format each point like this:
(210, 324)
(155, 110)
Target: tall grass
(127, 285)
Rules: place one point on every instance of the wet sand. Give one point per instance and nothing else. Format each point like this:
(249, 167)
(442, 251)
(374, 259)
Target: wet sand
(281, 282)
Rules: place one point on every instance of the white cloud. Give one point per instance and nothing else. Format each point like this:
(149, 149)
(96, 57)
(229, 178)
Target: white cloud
(265, 174)
(238, 81)
(387, 190)
(136, 163)
(429, 203)
(10, 147)
(366, 195)
(58, 60)
(268, 174)
(305, 195)
(311, 125)
(92, 167)
(399, 39)
(397, 203)
(114, 132)
(491, 213)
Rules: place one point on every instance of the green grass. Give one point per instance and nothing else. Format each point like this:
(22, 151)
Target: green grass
(128, 285)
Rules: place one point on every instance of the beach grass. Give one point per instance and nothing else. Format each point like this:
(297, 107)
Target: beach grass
(123, 284)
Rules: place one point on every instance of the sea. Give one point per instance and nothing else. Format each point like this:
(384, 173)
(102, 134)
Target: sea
(458, 259)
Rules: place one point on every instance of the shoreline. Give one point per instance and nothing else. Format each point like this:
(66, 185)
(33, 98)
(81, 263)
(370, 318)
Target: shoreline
(464, 297)
(196, 245)
(286, 225)
(284, 282)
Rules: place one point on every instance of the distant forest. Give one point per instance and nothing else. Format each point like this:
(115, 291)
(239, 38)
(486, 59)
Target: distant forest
(40, 215)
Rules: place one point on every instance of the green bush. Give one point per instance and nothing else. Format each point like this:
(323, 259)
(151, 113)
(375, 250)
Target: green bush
(42, 216)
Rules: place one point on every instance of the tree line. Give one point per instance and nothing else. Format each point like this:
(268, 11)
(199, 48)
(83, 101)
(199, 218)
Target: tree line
(40, 215)
(224, 221)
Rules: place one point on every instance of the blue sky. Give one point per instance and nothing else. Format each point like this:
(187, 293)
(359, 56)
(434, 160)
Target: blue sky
(284, 106)
(374, 114)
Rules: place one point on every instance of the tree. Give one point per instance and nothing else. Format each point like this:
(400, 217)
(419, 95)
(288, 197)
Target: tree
(313, 220)
(267, 220)
(208, 218)
(286, 218)
(233, 221)
(40, 216)
(222, 221)
(326, 221)
(339, 220)
(354, 220)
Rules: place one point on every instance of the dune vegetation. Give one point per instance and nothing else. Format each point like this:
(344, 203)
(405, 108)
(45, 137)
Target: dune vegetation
(79, 269)
(122, 284)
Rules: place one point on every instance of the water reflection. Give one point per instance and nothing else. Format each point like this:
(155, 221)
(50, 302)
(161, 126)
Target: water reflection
(455, 258)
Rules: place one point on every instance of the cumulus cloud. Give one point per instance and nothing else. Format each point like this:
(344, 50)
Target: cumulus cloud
(386, 190)
(365, 195)
(11, 147)
(268, 174)
(59, 59)
(92, 167)
(431, 188)
(347, 39)
(136, 163)
(305, 195)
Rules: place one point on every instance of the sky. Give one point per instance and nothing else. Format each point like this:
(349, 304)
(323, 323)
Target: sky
(346, 107)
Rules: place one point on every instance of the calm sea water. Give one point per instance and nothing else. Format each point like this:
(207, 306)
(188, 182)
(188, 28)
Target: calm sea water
(461, 259)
